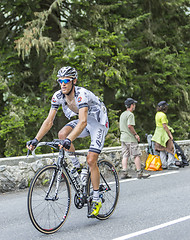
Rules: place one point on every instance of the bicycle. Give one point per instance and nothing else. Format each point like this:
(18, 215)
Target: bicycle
(49, 195)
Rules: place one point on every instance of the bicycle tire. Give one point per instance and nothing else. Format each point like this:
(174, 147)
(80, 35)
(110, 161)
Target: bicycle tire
(109, 189)
(48, 214)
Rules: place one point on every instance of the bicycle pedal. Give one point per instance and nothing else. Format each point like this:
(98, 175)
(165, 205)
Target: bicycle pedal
(91, 216)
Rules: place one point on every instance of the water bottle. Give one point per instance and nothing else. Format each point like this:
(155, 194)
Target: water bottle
(84, 174)
(74, 172)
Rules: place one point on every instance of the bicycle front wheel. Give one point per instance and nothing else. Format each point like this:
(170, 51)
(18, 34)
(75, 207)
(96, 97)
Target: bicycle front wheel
(108, 189)
(49, 199)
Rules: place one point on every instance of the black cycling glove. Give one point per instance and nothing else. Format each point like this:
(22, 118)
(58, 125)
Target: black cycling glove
(33, 142)
(66, 143)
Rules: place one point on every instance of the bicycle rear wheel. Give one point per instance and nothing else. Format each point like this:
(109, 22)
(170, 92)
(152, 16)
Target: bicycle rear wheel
(49, 199)
(109, 189)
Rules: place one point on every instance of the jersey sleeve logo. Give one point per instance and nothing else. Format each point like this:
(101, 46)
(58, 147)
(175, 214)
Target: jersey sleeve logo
(79, 99)
(53, 100)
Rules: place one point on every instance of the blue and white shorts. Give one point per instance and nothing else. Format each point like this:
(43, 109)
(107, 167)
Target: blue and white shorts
(95, 130)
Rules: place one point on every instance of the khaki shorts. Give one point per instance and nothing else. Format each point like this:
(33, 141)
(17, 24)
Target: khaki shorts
(130, 149)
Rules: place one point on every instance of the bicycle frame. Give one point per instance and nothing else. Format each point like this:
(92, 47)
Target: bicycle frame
(61, 164)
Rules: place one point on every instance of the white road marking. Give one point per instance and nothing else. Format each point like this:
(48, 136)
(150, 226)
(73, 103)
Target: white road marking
(155, 175)
(147, 230)
(162, 174)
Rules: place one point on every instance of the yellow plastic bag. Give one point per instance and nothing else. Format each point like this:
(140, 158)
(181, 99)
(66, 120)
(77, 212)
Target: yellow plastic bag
(149, 160)
(153, 163)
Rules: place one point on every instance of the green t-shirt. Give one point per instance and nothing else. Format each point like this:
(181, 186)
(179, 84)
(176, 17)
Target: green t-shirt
(160, 135)
(160, 118)
(126, 118)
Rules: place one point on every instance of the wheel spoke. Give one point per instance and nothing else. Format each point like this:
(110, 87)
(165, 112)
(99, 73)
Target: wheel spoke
(48, 214)
(109, 189)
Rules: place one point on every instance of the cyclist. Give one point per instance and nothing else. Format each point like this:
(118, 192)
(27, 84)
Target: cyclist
(92, 120)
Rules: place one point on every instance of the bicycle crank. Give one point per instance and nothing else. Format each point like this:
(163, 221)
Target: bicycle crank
(79, 201)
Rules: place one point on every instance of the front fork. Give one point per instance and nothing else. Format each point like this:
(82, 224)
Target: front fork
(58, 179)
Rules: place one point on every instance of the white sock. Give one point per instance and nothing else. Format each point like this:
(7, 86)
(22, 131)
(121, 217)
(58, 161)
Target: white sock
(96, 196)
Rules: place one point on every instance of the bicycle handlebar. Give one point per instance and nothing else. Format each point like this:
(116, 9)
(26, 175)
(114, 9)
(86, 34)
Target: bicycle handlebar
(54, 144)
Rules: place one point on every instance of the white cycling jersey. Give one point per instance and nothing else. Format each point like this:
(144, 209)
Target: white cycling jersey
(83, 98)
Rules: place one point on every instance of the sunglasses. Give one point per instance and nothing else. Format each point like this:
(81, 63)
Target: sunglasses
(67, 80)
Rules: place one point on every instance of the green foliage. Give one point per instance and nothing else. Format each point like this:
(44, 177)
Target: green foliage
(121, 49)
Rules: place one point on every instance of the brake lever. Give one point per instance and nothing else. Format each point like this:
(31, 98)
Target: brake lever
(28, 152)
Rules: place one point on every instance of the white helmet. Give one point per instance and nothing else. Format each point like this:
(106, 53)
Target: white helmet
(67, 72)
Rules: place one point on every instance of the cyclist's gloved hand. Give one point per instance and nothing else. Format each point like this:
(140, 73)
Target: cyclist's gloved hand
(33, 142)
(66, 143)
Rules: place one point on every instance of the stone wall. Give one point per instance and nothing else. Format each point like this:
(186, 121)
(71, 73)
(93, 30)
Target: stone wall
(17, 172)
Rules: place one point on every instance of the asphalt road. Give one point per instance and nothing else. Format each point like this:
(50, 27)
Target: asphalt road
(149, 209)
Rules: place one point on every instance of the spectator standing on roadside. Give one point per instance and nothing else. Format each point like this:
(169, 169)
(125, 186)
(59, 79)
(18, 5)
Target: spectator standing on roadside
(129, 140)
(163, 137)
